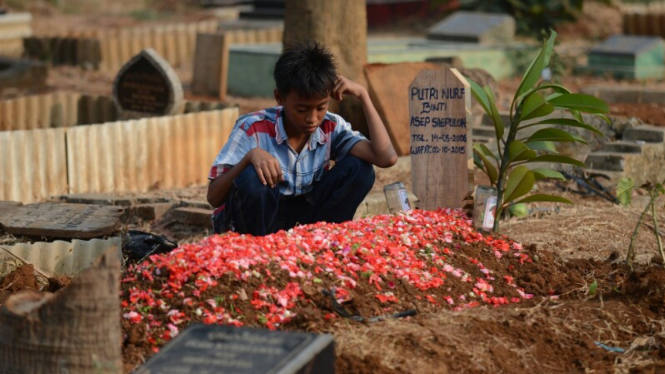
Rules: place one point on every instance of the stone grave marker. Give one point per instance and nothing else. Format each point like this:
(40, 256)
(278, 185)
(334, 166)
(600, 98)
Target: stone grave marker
(147, 86)
(211, 65)
(388, 85)
(214, 349)
(439, 111)
(628, 56)
(474, 27)
(53, 220)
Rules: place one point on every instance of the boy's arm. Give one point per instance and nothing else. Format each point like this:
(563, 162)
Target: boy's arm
(379, 151)
(267, 169)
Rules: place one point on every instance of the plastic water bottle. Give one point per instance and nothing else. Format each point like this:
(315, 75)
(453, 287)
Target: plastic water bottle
(396, 197)
(484, 208)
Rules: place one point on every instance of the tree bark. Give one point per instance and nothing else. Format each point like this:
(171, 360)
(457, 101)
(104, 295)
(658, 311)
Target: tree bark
(341, 26)
(76, 331)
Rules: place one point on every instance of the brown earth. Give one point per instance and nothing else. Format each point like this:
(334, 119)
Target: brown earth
(25, 278)
(543, 334)
(652, 113)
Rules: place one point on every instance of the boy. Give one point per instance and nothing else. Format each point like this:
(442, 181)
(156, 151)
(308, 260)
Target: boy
(274, 172)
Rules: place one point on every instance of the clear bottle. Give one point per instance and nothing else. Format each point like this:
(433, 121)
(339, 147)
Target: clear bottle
(484, 208)
(396, 197)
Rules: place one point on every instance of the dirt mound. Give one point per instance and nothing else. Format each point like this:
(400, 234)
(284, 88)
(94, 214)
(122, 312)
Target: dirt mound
(24, 278)
(479, 303)
(21, 279)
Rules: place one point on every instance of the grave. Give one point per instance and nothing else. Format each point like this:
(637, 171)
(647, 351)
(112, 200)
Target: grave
(474, 27)
(53, 220)
(211, 65)
(439, 111)
(251, 66)
(388, 87)
(214, 349)
(147, 86)
(21, 74)
(628, 57)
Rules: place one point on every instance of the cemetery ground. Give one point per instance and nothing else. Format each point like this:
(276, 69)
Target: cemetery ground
(562, 305)
(412, 293)
(544, 305)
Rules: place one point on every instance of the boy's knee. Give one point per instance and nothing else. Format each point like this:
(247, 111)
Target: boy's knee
(248, 183)
(360, 170)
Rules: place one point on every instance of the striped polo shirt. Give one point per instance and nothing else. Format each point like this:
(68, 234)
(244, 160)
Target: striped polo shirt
(332, 140)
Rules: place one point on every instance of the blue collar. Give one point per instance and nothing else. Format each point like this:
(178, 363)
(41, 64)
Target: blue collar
(280, 136)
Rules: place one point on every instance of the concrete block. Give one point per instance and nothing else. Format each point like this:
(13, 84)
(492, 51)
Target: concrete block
(628, 57)
(646, 133)
(605, 161)
(621, 147)
(98, 199)
(151, 212)
(193, 216)
(195, 204)
(474, 27)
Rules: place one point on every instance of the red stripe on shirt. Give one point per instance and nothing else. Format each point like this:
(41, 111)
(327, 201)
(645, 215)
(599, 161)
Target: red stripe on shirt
(328, 126)
(265, 126)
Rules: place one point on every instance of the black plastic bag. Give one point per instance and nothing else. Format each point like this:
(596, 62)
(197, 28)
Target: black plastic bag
(138, 244)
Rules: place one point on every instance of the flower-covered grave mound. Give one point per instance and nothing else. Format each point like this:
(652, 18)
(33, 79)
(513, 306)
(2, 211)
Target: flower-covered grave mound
(375, 266)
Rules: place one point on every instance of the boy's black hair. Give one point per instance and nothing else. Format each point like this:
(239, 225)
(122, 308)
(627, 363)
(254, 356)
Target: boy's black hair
(307, 68)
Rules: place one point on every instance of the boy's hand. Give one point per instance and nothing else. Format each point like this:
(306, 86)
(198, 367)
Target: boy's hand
(345, 86)
(266, 166)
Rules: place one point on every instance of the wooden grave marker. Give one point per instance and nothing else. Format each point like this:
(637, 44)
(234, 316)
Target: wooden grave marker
(211, 65)
(227, 349)
(147, 86)
(439, 120)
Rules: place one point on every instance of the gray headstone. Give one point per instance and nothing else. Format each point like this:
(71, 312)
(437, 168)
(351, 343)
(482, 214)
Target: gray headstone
(213, 349)
(53, 220)
(147, 86)
(474, 27)
(627, 45)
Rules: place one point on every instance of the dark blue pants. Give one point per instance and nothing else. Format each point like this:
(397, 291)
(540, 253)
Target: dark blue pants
(253, 208)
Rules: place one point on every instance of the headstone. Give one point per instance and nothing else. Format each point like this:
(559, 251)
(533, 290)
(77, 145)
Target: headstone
(53, 220)
(211, 65)
(439, 111)
(629, 57)
(213, 349)
(147, 86)
(388, 87)
(474, 27)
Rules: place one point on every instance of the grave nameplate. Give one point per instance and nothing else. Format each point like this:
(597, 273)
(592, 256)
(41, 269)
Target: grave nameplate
(147, 86)
(53, 220)
(213, 349)
(439, 111)
(474, 27)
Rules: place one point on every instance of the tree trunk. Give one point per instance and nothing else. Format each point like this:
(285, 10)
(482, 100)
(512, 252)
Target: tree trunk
(341, 26)
(76, 331)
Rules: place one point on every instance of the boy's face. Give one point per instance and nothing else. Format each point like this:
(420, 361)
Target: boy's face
(302, 116)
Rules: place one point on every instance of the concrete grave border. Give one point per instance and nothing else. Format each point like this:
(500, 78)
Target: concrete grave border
(138, 155)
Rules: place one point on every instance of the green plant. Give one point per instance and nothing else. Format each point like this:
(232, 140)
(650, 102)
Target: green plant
(655, 191)
(506, 169)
